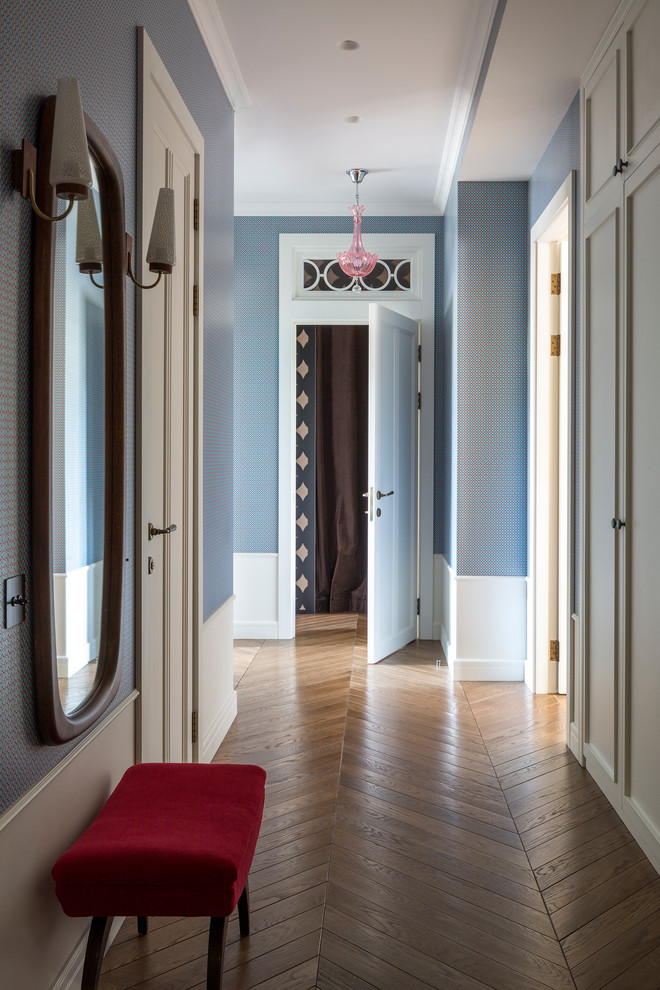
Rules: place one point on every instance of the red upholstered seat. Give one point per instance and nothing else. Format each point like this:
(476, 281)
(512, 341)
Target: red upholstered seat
(172, 839)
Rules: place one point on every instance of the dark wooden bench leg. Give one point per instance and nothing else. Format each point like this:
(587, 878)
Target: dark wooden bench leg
(143, 926)
(217, 939)
(96, 943)
(244, 911)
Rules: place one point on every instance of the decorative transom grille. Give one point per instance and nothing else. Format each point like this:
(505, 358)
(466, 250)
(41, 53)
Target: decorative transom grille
(325, 275)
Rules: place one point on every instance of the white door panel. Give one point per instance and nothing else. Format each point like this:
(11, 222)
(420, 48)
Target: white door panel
(171, 149)
(393, 377)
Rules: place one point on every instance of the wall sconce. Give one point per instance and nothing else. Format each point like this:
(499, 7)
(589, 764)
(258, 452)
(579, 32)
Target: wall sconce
(89, 249)
(70, 170)
(161, 253)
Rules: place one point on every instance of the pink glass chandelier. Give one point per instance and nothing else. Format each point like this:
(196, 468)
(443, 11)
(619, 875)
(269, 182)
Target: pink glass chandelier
(357, 262)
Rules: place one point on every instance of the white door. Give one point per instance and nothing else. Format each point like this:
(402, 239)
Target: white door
(549, 589)
(392, 493)
(168, 455)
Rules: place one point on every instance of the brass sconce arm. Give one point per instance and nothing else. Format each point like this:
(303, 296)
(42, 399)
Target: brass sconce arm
(25, 167)
(129, 266)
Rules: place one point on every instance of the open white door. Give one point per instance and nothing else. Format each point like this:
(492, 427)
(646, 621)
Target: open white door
(392, 494)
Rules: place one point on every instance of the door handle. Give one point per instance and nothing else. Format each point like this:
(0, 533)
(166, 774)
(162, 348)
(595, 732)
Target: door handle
(152, 531)
(380, 494)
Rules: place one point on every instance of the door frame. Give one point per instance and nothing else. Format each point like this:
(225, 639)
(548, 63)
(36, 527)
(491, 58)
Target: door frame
(151, 66)
(558, 216)
(294, 309)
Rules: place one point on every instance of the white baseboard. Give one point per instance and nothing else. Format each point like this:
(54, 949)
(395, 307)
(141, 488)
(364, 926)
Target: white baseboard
(481, 623)
(642, 830)
(219, 729)
(488, 670)
(256, 630)
(71, 976)
(256, 597)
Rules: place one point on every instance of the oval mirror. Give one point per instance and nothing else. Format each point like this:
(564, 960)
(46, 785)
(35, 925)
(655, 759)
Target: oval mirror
(78, 450)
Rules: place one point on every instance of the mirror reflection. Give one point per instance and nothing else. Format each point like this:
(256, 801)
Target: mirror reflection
(78, 465)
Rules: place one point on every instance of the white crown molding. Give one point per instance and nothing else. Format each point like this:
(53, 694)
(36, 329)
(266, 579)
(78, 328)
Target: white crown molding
(216, 39)
(333, 210)
(479, 32)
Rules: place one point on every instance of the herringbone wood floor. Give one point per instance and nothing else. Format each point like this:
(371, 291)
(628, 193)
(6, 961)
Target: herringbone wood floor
(417, 833)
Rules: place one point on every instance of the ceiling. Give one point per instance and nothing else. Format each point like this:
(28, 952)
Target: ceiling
(402, 105)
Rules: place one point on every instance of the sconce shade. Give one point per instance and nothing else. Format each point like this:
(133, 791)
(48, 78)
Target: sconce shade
(70, 170)
(161, 253)
(89, 250)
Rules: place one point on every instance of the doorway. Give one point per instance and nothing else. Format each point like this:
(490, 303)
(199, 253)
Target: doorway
(297, 307)
(551, 619)
(332, 378)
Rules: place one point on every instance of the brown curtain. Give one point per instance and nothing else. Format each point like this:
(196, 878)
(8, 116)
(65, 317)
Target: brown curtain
(342, 369)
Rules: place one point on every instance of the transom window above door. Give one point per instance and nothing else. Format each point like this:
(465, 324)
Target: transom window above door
(317, 274)
(325, 275)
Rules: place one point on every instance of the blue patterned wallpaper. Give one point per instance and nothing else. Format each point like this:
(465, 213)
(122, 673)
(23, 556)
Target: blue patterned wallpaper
(560, 158)
(491, 379)
(256, 359)
(43, 40)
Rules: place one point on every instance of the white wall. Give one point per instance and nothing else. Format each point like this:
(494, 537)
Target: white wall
(39, 945)
(256, 613)
(481, 623)
(77, 603)
(217, 701)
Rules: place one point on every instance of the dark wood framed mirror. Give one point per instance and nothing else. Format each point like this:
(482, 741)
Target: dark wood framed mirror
(78, 452)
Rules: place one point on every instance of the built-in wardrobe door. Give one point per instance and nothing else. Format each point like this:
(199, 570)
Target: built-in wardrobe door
(641, 107)
(601, 563)
(642, 530)
(603, 125)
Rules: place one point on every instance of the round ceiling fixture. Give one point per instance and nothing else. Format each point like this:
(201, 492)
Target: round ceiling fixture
(348, 45)
(353, 119)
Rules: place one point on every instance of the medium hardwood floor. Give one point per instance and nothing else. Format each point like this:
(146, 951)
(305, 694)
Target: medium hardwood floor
(417, 833)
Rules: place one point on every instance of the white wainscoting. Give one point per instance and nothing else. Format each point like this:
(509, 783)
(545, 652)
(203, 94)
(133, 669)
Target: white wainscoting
(256, 602)
(77, 604)
(217, 701)
(39, 946)
(481, 623)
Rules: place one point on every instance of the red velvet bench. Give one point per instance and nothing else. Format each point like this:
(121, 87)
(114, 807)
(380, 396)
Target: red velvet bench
(173, 839)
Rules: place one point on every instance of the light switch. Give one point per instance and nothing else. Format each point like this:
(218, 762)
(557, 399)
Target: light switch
(15, 600)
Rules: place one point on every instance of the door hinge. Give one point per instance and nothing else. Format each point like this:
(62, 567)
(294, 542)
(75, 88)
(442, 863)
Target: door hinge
(195, 214)
(555, 284)
(419, 353)
(195, 300)
(554, 651)
(419, 400)
(195, 726)
(418, 607)
(555, 345)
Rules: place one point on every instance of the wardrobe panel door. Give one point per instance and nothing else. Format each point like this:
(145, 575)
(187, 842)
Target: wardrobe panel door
(642, 81)
(602, 130)
(601, 340)
(642, 531)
